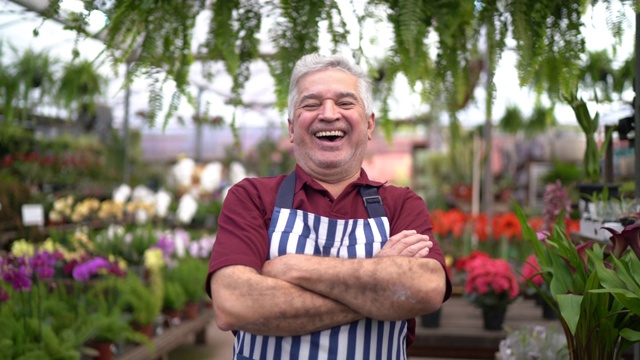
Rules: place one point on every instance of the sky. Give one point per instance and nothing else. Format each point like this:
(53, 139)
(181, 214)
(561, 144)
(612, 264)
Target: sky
(16, 28)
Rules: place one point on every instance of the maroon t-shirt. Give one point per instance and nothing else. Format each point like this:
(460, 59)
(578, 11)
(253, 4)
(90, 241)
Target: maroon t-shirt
(243, 225)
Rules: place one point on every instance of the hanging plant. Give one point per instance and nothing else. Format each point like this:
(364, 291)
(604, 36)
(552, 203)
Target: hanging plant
(79, 88)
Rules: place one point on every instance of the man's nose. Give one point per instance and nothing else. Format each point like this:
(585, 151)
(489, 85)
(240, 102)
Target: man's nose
(329, 111)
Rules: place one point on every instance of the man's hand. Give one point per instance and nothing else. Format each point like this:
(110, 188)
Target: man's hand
(407, 243)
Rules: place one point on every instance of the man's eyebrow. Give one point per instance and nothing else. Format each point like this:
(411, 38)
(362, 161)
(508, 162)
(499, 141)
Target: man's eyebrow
(338, 95)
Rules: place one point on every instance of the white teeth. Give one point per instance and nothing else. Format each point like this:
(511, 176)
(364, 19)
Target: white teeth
(330, 133)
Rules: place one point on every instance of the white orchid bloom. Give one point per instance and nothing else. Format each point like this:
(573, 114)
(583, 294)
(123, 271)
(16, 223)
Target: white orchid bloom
(143, 194)
(237, 172)
(121, 193)
(141, 216)
(163, 200)
(187, 207)
(211, 177)
(182, 172)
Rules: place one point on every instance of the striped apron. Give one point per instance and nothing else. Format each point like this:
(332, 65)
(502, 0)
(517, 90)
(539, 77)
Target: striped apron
(298, 232)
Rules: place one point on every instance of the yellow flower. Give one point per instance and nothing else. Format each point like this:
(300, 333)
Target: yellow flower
(153, 259)
(23, 248)
(80, 240)
(48, 245)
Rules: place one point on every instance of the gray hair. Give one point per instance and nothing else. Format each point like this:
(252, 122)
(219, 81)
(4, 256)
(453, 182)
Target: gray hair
(315, 62)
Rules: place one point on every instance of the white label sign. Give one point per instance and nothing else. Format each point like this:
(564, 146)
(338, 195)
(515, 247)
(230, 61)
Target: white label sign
(32, 215)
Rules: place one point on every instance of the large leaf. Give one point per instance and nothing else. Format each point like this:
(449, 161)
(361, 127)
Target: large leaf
(569, 306)
(631, 335)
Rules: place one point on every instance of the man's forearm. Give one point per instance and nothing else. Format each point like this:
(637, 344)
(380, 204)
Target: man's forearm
(389, 288)
(246, 300)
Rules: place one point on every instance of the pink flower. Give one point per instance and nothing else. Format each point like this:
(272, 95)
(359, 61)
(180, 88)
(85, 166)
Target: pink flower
(491, 282)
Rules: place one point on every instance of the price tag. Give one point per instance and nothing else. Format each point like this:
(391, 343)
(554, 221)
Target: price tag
(32, 215)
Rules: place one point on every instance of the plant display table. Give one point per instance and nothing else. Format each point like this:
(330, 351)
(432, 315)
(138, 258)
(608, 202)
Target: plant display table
(461, 333)
(171, 338)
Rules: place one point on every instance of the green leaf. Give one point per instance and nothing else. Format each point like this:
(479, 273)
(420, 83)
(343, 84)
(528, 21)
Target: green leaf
(569, 306)
(631, 335)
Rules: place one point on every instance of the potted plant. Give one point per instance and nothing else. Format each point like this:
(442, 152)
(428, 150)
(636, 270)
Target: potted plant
(596, 291)
(174, 301)
(491, 285)
(143, 301)
(191, 273)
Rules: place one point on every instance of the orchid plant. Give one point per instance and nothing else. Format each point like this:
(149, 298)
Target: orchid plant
(597, 297)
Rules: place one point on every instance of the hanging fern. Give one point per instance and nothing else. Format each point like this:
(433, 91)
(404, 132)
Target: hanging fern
(436, 42)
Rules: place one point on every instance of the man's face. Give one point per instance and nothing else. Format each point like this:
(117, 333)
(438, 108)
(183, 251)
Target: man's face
(329, 129)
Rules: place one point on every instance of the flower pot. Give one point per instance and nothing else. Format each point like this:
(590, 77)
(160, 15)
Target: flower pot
(103, 348)
(146, 330)
(547, 311)
(431, 320)
(192, 310)
(172, 317)
(493, 317)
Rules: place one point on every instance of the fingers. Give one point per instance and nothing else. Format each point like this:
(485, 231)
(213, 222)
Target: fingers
(407, 243)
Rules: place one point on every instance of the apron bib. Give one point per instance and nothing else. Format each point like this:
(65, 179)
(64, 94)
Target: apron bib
(298, 232)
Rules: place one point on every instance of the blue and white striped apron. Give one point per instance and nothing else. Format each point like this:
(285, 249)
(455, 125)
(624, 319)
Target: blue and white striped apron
(299, 232)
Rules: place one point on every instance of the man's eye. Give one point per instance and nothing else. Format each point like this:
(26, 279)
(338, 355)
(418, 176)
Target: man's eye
(346, 104)
(310, 106)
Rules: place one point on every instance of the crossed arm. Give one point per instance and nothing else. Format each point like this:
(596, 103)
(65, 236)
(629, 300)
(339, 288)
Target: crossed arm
(300, 294)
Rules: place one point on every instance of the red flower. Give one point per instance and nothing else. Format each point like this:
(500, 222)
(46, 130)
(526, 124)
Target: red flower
(463, 262)
(491, 282)
(507, 225)
(480, 224)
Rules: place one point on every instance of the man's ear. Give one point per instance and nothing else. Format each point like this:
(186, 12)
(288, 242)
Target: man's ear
(371, 125)
(290, 130)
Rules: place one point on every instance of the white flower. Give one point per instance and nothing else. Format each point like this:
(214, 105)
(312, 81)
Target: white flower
(143, 194)
(237, 172)
(211, 177)
(187, 207)
(141, 216)
(182, 172)
(163, 200)
(121, 193)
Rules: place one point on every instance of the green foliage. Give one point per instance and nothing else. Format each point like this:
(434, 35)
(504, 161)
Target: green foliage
(142, 300)
(80, 85)
(567, 173)
(589, 126)
(597, 311)
(191, 273)
(174, 295)
(435, 43)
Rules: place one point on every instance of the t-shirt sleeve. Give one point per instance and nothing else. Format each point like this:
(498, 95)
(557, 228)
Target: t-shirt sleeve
(242, 237)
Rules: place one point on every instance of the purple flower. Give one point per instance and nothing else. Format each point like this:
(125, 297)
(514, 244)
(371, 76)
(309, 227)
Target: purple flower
(629, 236)
(18, 276)
(43, 264)
(84, 271)
(166, 244)
(556, 200)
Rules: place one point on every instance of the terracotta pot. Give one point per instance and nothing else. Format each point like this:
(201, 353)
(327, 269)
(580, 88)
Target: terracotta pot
(172, 317)
(147, 330)
(103, 348)
(192, 311)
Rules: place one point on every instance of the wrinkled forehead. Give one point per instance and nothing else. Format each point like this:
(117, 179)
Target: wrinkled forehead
(334, 79)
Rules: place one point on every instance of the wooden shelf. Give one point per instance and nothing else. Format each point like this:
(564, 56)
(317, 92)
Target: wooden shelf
(461, 333)
(171, 338)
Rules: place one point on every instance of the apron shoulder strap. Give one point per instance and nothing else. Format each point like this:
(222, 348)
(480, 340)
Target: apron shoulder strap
(372, 200)
(284, 199)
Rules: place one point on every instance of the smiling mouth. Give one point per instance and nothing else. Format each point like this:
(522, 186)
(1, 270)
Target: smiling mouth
(330, 135)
